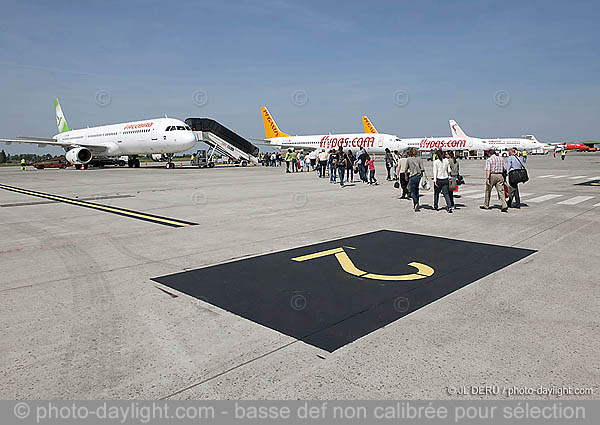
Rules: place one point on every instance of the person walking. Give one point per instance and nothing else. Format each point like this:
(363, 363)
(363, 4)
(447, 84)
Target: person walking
(340, 163)
(23, 164)
(332, 167)
(453, 172)
(362, 167)
(371, 166)
(494, 169)
(322, 162)
(563, 154)
(389, 163)
(524, 155)
(513, 163)
(414, 171)
(294, 160)
(396, 157)
(288, 158)
(441, 167)
(350, 159)
(402, 167)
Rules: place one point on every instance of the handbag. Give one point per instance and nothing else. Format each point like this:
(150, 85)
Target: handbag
(424, 183)
(452, 184)
(506, 192)
(396, 185)
(518, 176)
(460, 180)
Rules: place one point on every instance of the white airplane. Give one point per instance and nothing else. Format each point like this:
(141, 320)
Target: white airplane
(372, 142)
(528, 142)
(156, 136)
(456, 142)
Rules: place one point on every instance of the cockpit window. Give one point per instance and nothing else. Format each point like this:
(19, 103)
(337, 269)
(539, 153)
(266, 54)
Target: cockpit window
(168, 128)
(188, 128)
(180, 127)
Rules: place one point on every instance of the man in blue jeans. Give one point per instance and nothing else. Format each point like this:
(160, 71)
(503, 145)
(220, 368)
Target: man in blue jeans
(340, 163)
(415, 169)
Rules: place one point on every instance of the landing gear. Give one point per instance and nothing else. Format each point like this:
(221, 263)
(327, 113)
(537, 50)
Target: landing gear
(133, 161)
(170, 163)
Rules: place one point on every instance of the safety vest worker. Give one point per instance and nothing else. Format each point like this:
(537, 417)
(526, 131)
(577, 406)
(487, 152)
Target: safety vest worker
(524, 155)
(23, 164)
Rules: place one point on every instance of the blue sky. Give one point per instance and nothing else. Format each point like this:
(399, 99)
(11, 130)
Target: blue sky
(348, 58)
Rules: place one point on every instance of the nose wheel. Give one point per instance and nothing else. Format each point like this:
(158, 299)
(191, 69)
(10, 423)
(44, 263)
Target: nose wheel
(170, 163)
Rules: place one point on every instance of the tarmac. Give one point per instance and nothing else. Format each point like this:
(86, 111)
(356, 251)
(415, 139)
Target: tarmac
(277, 286)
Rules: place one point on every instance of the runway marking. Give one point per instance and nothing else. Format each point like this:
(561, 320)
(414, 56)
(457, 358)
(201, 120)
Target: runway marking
(577, 177)
(481, 194)
(558, 177)
(544, 198)
(576, 200)
(466, 192)
(423, 270)
(113, 210)
(543, 177)
(596, 205)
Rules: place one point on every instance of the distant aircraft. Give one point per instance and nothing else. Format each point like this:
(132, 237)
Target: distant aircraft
(156, 136)
(528, 142)
(427, 144)
(578, 146)
(373, 142)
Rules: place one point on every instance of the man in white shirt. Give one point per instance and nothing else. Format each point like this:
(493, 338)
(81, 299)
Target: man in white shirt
(441, 167)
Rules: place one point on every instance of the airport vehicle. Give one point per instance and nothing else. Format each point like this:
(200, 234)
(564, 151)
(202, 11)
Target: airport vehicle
(159, 135)
(429, 144)
(527, 142)
(578, 147)
(224, 141)
(52, 163)
(102, 161)
(373, 142)
(202, 160)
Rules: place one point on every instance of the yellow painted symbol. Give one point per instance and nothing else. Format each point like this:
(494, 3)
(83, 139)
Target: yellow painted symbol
(348, 266)
(595, 184)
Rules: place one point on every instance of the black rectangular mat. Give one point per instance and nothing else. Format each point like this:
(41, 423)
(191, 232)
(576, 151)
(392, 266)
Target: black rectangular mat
(329, 294)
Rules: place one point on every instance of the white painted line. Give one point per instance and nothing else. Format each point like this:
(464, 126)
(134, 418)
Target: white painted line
(558, 177)
(522, 195)
(465, 192)
(481, 194)
(596, 205)
(544, 198)
(576, 200)
(543, 177)
(594, 178)
(577, 177)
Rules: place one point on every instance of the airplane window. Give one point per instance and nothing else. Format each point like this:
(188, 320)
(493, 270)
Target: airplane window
(180, 127)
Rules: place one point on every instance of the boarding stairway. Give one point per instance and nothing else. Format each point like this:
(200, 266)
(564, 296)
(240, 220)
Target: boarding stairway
(223, 141)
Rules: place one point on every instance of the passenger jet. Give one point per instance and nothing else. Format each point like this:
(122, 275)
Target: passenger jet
(374, 143)
(528, 142)
(155, 136)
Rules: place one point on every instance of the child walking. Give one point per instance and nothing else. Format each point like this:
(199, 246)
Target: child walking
(371, 166)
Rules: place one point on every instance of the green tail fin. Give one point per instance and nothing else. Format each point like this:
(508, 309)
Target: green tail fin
(61, 122)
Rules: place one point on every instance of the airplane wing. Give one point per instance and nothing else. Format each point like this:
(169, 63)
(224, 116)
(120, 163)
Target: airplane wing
(44, 141)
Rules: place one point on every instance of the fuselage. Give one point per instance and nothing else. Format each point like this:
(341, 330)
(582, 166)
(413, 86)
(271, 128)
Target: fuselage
(444, 143)
(519, 144)
(374, 143)
(160, 135)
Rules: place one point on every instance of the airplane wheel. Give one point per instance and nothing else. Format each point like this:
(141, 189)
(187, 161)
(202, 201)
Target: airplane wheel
(122, 163)
(130, 163)
(244, 163)
(77, 166)
(137, 163)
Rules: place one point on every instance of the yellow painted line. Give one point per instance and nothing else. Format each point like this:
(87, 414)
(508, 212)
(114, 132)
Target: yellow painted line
(423, 270)
(120, 211)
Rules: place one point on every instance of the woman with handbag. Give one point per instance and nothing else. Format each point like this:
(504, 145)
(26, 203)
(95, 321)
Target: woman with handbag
(414, 172)
(453, 173)
(441, 166)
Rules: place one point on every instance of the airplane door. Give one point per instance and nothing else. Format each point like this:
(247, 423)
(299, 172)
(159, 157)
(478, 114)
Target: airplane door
(381, 142)
(153, 133)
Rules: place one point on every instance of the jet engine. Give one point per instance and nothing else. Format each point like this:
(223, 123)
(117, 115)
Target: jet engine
(79, 156)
